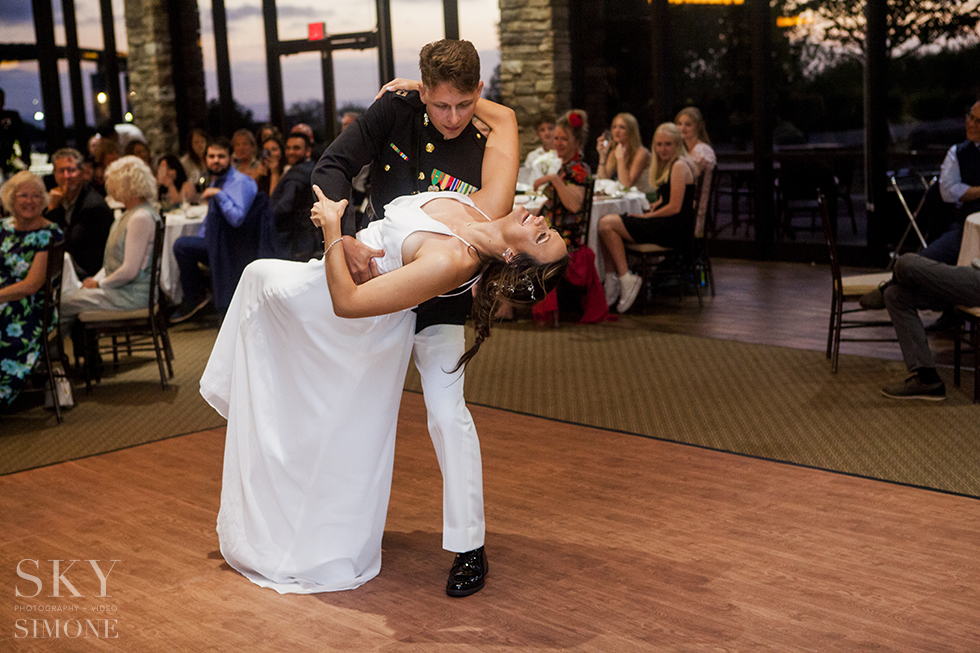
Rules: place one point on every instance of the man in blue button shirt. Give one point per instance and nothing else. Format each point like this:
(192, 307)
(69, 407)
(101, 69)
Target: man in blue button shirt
(233, 194)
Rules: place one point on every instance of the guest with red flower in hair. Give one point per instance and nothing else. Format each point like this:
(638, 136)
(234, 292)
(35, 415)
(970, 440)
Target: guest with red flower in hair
(565, 191)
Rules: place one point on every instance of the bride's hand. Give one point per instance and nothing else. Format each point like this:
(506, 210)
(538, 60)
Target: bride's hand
(326, 211)
(400, 84)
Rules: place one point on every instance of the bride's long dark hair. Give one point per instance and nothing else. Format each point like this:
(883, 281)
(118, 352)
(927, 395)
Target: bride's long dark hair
(523, 282)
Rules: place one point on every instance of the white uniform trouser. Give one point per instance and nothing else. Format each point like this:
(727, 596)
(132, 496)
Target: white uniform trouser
(437, 349)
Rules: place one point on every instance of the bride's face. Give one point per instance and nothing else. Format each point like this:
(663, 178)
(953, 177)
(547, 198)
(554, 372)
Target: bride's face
(524, 233)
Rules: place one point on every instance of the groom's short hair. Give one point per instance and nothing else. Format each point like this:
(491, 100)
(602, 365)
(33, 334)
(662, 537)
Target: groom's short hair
(450, 62)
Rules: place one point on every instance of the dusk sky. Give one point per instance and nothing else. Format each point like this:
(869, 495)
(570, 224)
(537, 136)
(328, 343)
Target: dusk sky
(414, 23)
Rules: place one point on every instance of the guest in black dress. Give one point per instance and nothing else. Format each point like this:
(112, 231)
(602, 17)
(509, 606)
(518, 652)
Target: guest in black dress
(669, 221)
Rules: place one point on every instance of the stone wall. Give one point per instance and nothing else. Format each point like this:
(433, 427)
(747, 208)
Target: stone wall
(151, 95)
(535, 61)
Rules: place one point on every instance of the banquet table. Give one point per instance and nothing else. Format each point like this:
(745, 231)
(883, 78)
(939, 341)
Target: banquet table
(180, 222)
(630, 202)
(970, 245)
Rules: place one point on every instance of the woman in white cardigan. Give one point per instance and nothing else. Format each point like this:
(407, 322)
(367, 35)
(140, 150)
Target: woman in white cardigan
(123, 283)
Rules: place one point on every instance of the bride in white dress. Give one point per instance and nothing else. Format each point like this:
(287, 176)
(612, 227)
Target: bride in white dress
(308, 368)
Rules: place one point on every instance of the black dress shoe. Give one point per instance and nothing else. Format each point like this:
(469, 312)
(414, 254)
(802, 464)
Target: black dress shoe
(469, 573)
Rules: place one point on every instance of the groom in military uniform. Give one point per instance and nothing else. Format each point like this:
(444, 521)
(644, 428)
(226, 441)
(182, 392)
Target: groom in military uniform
(419, 140)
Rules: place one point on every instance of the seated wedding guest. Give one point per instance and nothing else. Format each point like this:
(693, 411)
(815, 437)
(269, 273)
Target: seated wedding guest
(624, 158)
(124, 133)
(348, 119)
(80, 211)
(959, 188)
(230, 198)
(695, 135)
(138, 149)
(296, 237)
(123, 283)
(174, 186)
(243, 146)
(565, 191)
(93, 143)
(921, 283)
(106, 151)
(193, 159)
(304, 129)
(88, 168)
(669, 221)
(270, 165)
(545, 129)
(24, 237)
(267, 131)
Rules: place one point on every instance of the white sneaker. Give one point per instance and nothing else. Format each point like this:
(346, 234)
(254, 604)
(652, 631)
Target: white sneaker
(630, 284)
(611, 286)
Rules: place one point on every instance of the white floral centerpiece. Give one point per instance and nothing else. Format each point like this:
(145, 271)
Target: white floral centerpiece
(548, 163)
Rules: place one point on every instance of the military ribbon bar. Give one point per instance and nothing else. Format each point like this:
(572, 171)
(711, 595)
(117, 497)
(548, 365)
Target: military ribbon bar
(398, 152)
(448, 182)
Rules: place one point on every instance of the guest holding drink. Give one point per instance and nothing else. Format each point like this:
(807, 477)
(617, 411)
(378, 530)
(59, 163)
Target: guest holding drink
(174, 186)
(624, 158)
(193, 162)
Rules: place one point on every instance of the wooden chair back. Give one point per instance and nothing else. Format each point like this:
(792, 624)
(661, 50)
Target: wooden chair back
(576, 234)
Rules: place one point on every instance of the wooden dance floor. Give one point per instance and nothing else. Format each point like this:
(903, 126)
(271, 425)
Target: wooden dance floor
(597, 541)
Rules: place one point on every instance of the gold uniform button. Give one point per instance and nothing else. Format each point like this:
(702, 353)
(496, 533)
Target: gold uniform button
(421, 176)
(429, 147)
(479, 136)
(387, 167)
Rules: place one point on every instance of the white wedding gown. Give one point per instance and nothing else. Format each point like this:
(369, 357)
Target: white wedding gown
(312, 404)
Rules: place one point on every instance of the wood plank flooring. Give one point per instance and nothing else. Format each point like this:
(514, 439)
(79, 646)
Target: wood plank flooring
(598, 542)
(774, 303)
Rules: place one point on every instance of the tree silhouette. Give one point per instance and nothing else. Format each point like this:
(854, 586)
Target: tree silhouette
(911, 24)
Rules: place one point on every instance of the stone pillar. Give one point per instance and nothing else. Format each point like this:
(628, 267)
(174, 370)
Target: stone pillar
(151, 87)
(535, 61)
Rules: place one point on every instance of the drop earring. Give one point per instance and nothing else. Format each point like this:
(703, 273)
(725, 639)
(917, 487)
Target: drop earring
(508, 255)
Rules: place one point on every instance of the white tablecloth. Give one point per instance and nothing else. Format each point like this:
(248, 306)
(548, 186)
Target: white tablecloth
(180, 222)
(632, 203)
(970, 245)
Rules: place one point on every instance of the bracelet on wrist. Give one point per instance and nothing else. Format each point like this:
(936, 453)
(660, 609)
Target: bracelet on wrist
(327, 250)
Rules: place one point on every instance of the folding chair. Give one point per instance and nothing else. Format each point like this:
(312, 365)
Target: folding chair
(913, 216)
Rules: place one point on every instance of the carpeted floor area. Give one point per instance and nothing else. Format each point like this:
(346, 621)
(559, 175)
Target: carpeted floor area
(127, 408)
(770, 402)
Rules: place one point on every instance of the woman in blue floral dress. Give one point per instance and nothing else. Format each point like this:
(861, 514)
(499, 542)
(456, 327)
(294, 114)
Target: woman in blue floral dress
(24, 237)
